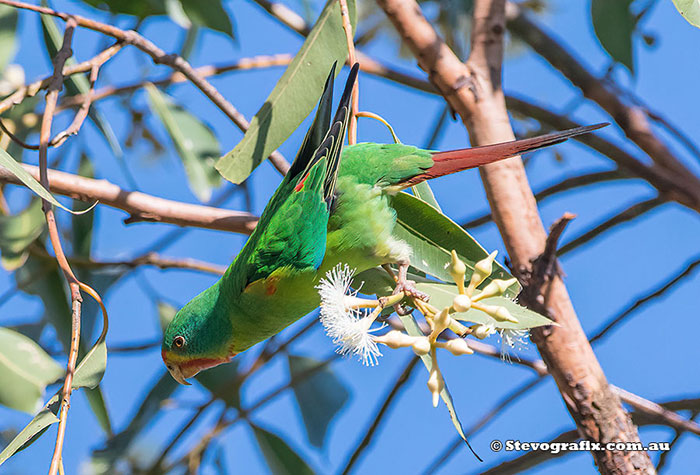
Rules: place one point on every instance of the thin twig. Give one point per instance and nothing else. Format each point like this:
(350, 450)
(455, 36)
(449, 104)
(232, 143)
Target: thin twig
(564, 185)
(31, 89)
(55, 86)
(378, 417)
(646, 298)
(624, 216)
(347, 27)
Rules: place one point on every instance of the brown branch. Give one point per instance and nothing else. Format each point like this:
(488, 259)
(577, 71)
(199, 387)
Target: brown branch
(54, 87)
(151, 259)
(82, 113)
(622, 217)
(631, 118)
(141, 205)
(243, 64)
(354, 107)
(474, 91)
(159, 57)
(378, 417)
(31, 89)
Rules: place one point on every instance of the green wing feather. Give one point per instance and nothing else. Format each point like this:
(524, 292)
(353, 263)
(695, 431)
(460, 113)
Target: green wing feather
(291, 232)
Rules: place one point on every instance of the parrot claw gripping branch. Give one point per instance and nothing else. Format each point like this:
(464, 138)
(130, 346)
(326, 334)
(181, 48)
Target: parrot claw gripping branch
(332, 219)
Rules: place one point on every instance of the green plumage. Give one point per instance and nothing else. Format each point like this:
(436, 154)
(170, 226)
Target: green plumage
(326, 211)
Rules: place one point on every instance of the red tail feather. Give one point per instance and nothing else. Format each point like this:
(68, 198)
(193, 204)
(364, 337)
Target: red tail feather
(458, 160)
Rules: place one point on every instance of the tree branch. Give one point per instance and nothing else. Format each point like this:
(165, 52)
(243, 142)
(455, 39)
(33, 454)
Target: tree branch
(474, 92)
(631, 118)
(140, 205)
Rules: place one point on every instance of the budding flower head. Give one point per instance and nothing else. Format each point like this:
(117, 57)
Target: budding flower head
(482, 270)
(457, 270)
(512, 340)
(347, 326)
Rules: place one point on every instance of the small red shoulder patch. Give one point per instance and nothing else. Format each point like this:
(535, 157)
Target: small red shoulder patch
(300, 185)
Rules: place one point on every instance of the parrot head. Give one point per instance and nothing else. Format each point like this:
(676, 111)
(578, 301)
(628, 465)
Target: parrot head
(197, 338)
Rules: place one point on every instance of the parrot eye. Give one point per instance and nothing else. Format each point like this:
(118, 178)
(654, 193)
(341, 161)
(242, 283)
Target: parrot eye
(179, 341)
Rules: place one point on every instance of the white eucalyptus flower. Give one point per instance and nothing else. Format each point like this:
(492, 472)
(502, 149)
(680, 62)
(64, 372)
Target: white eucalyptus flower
(343, 321)
(512, 341)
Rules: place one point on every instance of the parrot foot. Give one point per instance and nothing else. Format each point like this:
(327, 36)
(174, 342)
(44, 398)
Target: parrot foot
(408, 287)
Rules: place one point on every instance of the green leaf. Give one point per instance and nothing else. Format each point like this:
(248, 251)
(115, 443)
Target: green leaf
(441, 295)
(18, 232)
(150, 407)
(432, 236)
(412, 329)
(23, 175)
(42, 421)
(194, 141)
(88, 373)
(41, 277)
(98, 404)
(614, 24)
(690, 10)
(8, 43)
(423, 192)
(294, 96)
(25, 371)
(222, 381)
(209, 14)
(138, 8)
(319, 396)
(280, 457)
(91, 368)
(166, 313)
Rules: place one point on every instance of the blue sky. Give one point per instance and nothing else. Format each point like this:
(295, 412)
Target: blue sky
(651, 354)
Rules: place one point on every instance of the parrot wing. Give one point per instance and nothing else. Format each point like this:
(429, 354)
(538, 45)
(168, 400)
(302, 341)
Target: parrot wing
(291, 232)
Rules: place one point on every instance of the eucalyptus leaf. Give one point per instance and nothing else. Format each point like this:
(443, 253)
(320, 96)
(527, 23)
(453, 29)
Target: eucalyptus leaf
(690, 10)
(320, 396)
(32, 431)
(88, 373)
(211, 14)
(423, 192)
(412, 329)
(222, 381)
(17, 232)
(41, 277)
(149, 408)
(195, 142)
(8, 43)
(166, 313)
(23, 175)
(442, 295)
(432, 236)
(280, 457)
(294, 96)
(614, 25)
(25, 371)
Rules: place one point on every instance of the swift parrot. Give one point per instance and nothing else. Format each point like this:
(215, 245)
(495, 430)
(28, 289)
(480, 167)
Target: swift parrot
(332, 207)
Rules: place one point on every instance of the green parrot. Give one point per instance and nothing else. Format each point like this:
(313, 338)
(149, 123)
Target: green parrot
(332, 207)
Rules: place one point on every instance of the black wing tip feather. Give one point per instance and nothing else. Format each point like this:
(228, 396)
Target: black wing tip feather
(320, 125)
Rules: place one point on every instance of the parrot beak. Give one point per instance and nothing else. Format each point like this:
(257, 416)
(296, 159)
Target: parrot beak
(177, 375)
(181, 372)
